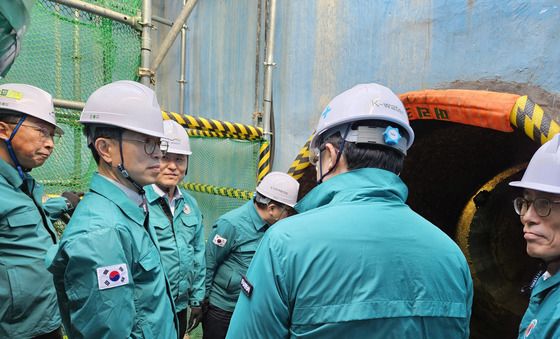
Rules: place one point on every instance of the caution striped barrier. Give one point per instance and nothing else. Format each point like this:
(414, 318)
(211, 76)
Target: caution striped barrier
(218, 190)
(532, 119)
(263, 167)
(225, 128)
(301, 162)
(498, 111)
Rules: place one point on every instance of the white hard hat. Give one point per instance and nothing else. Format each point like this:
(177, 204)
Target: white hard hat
(366, 102)
(126, 104)
(543, 172)
(177, 138)
(280, 187)
(30, 100)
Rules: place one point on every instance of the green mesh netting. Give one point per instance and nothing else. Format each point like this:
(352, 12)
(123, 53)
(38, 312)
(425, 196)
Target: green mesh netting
(70, 53)
(221, 162)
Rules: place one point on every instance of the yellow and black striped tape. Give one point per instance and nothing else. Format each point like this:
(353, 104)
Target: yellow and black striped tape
(210, 134)
(264, 161)
(218, 190)
(530, 117)
(301, 162)
(233, 129)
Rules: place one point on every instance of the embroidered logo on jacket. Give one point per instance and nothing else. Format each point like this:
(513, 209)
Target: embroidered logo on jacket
(112, 276)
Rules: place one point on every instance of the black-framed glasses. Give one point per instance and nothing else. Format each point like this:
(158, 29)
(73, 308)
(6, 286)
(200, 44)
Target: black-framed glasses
(44, 132)
(542, 206)
(151, 145)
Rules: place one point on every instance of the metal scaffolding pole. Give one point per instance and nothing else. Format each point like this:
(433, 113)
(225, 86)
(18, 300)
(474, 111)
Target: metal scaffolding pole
(146, 50)
(75, 105)
(174, 31)
(101, 11)
(182, 80)
(269, 64)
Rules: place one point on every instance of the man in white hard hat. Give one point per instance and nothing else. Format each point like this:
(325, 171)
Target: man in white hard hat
(107, 269)
(357, 262)
(28, 130)
(539, 211)
(232, 244)
(178, 224)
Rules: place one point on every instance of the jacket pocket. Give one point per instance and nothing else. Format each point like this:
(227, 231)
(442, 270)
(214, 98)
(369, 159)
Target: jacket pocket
(27, 217)
(29, 285)
(150, 260)
(189, 220)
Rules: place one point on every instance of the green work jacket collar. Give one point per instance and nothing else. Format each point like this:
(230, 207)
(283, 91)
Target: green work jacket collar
(11, 175)
(107, 189)
(544, 285)
(361, 184)
(258, 222)
(152, 195)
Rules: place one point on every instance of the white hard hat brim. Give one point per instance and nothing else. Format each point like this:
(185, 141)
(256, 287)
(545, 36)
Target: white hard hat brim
(536, 186)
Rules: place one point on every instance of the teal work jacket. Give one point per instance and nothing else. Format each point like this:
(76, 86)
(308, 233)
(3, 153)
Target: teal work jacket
(542, 318)
(181, 246)
(356, 263)
(107, 270)
(28, 306)
(229, 251)
(55, 207)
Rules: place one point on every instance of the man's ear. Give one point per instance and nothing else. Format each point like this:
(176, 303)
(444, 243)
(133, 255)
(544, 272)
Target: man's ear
(332, 153)
(105, 148)
(5, 130)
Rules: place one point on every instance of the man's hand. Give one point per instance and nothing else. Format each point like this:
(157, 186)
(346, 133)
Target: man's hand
(73, 199)
(195, 318)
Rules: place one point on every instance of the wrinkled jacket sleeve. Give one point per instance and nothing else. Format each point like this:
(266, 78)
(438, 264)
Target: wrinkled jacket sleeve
(265, 313)
(87, 310)
(54, 207)
(215, 255)
(197, 288)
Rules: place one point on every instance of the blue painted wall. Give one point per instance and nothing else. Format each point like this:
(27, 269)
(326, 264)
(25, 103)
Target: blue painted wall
(324, 47)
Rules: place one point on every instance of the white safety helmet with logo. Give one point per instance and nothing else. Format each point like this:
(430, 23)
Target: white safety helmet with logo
(366, 102)
(176, 137)
(125, 104)
(279, 187)
(543, 172)
(29, 100)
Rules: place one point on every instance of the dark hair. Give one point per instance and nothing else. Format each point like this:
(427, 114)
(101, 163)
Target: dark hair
(263, 201)
(10, 116)
(93, 132)
(367, 155)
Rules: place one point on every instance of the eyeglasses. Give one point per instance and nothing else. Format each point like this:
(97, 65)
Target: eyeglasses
(45, 133)
(314, 155)
(150, 145)
(542, 206)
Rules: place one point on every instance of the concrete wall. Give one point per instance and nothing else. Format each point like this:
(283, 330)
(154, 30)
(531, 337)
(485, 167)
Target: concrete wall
(324, 47)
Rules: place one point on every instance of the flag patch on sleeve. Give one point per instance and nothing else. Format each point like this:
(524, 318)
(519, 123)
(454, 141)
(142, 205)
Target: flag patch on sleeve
(219, 240)
(112, 276)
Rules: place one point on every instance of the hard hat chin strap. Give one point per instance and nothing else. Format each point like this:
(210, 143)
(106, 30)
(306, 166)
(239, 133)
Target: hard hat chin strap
(341, 149)
(11, 149)
(124, 172)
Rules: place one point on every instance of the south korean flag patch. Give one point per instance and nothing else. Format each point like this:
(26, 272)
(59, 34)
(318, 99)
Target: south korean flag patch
(219, 240)
(112, 276)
